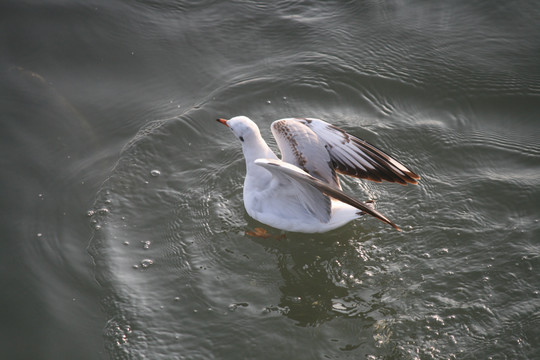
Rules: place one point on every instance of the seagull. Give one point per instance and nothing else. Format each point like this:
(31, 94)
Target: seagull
(301, 192)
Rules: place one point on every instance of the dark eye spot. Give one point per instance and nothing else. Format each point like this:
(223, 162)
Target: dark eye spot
(241, 138)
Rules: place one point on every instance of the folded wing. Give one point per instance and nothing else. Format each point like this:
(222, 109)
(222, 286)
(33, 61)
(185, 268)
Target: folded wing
(307, 184)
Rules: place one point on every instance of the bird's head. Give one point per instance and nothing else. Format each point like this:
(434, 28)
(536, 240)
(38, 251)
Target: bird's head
(243, 128)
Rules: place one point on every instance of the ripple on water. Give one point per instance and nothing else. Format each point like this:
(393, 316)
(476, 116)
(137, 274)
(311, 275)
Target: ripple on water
(430, 292)
(194, 264)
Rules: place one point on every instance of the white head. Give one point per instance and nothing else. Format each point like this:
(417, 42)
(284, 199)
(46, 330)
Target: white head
(253, 145)
(244, 129)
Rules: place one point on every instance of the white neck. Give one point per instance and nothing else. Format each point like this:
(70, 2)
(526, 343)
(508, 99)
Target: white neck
(256, 148)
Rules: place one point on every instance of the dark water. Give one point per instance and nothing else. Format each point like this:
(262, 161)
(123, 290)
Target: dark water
(123, 228)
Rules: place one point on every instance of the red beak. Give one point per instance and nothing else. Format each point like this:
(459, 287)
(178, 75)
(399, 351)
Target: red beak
(223, 121)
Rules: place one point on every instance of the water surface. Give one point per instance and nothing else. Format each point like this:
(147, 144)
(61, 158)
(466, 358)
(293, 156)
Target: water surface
(125, 232)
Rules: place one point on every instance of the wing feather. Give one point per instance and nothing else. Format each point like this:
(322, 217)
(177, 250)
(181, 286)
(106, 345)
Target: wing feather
(300, 146)
(356, 157)
(304, 180)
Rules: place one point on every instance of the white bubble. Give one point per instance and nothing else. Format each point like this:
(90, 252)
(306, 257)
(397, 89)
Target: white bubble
(146, 263)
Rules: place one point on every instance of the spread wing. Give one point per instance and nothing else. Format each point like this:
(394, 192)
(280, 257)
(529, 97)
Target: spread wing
(300, 146)
(356, 157)
(307, 184)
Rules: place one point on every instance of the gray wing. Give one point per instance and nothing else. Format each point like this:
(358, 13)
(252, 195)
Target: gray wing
(356, 157)
(302, 147)
(296, 190)
(308, 184)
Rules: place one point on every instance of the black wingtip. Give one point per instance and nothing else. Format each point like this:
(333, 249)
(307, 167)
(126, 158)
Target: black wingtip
(385, 220)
